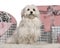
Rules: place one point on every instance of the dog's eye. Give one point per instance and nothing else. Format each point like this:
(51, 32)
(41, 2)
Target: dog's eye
(33, 9)
(28, 9)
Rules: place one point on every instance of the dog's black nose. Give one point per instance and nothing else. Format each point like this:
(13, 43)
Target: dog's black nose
(31, 12)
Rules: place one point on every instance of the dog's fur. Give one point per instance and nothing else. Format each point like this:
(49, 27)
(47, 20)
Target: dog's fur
(28, 31)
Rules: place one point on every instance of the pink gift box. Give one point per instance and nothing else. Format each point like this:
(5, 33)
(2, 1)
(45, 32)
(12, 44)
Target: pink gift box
(7, 26)
(50, 17)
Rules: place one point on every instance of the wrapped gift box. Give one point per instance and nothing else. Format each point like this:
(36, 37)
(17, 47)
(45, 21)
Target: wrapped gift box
(50, 17)
(7, 26)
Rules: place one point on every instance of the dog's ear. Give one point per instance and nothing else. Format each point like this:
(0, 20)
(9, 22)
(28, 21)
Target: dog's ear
(23, 12)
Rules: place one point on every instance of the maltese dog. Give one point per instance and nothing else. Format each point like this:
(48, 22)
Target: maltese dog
(29, 30)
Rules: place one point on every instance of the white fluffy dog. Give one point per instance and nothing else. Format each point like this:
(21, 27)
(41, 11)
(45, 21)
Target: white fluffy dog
(28, 31)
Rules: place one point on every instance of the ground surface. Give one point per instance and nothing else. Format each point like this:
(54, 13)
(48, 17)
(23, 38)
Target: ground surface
(29, 46)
